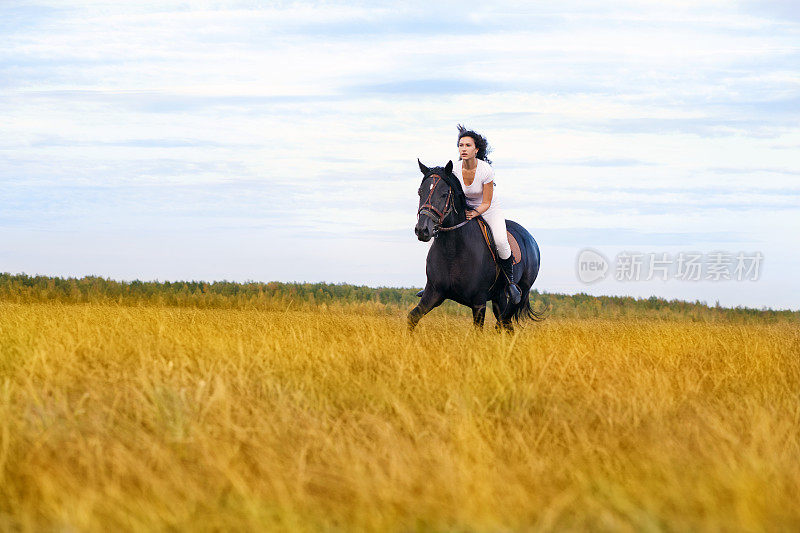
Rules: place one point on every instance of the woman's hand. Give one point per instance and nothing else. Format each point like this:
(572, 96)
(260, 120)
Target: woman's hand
(472, 214)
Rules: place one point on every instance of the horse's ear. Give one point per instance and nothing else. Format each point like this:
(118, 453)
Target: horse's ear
(422, 167)
(449, 166)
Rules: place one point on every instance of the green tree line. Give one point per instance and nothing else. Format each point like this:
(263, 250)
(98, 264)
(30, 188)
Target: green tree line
(22, 288)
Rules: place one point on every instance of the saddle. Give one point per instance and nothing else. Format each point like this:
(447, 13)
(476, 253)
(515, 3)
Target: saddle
(489, 238)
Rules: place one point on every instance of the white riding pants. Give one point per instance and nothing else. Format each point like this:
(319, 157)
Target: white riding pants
(494, 217)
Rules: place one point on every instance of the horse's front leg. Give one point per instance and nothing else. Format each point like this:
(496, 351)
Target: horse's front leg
(430, 299)
(478, 315)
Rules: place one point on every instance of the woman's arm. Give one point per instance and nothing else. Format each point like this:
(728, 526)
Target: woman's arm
(486, 202)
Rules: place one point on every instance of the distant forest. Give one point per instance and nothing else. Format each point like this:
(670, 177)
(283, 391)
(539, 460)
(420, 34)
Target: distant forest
(21, 288)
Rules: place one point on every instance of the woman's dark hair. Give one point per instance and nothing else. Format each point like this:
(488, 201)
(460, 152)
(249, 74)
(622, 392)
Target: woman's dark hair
(480, 142)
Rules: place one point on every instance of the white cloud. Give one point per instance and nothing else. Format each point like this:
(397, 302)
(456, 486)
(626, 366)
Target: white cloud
(661, 117)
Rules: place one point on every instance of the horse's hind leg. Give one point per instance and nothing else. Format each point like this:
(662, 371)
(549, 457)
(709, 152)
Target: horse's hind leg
(503, 322)
(478, 315)
(496, 313)
(429, 300)
(506, 319)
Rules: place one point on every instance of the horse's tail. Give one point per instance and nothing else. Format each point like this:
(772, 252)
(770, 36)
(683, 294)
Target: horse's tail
(523, 311)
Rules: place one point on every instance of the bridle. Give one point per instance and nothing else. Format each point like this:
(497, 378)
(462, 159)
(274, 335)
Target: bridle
(427, 208)
(431, 211)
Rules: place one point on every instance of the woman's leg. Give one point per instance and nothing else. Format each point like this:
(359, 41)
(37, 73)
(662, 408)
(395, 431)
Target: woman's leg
(496, 221)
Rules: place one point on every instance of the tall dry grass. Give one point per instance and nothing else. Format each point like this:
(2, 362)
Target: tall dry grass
(153, 418)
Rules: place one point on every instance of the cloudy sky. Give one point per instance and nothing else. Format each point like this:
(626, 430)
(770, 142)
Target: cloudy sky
(278, 141)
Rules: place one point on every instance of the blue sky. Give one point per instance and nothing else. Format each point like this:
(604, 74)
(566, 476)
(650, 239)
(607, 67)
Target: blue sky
(278, 141)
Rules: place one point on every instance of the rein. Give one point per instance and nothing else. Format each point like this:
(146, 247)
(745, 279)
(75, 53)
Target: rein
(451, 228)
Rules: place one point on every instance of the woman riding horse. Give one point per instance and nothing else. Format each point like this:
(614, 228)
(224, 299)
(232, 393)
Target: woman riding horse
(477, 180)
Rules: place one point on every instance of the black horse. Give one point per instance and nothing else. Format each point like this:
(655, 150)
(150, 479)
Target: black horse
(460, 265)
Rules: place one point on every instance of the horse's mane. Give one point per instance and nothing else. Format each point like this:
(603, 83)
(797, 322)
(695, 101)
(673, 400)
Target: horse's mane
(459, 198)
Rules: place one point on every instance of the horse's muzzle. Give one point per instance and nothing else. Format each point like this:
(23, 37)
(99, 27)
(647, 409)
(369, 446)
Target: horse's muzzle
(424, 229)
(423, 234)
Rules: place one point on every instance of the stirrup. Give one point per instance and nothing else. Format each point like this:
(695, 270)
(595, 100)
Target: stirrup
(514, 294)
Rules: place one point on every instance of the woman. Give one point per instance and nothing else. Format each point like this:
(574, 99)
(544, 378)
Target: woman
(477, 179)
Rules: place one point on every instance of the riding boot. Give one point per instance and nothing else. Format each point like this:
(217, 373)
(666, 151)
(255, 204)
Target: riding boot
(508, 269)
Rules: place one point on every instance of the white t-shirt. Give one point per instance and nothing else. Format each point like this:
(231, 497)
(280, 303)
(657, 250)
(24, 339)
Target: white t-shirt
(474, 192)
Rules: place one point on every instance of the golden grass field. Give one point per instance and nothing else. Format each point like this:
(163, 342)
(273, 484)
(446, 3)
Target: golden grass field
(153, 418)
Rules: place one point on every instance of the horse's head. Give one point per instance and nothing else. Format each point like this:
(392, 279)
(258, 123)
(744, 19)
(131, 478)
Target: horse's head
(440, 197)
